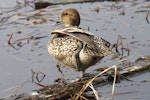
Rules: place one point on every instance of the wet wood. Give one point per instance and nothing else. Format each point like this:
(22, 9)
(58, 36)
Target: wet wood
(43, 4)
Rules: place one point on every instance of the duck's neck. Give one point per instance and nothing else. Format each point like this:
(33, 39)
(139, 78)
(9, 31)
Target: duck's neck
(67, 25)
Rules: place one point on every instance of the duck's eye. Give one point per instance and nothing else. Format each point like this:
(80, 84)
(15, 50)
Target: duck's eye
(66, 13)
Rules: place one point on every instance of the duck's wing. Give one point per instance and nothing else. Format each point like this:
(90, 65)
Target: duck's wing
(77, 33)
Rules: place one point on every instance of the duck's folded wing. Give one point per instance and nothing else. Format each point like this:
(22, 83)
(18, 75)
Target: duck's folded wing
(77, 33)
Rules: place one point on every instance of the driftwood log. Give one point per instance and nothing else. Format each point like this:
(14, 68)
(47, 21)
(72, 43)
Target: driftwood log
(45, 3)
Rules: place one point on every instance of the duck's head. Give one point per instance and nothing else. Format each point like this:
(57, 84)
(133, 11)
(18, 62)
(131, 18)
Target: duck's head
(70, 17)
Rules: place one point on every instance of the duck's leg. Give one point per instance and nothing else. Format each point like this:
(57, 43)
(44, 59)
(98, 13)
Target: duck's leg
(76, 56)
(59, 69)
(82, 74)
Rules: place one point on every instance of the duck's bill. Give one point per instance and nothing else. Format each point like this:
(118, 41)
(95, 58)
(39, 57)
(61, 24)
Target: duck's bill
(57, 23)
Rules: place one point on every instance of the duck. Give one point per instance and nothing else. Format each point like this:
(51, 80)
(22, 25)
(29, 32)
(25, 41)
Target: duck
(75, 47)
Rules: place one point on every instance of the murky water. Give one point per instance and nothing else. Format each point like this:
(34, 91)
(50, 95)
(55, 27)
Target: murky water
(109, 22)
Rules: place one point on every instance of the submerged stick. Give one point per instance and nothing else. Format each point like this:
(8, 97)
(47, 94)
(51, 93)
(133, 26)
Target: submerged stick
(10, 38)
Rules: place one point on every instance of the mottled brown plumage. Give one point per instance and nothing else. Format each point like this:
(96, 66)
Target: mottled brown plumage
(76, 47)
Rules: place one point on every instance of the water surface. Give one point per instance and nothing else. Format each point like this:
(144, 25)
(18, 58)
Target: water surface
(108, 23)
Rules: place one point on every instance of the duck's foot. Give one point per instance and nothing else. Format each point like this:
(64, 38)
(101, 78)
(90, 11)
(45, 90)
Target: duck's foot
(76, 78)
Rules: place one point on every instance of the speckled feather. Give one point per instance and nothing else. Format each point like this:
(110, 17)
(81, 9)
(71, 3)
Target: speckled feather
(63, 47)
(76, 47)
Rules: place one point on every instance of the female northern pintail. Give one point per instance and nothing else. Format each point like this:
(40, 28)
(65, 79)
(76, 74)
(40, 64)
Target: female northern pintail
(76, 47)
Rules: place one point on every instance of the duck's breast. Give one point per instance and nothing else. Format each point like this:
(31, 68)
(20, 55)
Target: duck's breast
(62, 49)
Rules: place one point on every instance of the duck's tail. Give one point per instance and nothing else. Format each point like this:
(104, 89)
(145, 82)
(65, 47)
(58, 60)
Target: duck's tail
(103, 46)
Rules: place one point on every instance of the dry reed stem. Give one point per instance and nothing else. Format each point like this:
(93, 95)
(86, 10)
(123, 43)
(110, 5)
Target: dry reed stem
(94, 91)
(90, 82)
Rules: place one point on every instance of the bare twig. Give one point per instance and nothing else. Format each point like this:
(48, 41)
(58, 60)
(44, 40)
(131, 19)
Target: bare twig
(121, 43)
(128, 49)
(19, 87)
(3, 20)
(19, 42)
(37, 75)
(146, 17)
(119, 47)
(27, 3)
(9, 41)
(10, 38)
